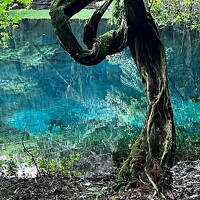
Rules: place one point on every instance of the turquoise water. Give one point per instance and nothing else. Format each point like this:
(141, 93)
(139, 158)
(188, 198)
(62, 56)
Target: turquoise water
(40, 83)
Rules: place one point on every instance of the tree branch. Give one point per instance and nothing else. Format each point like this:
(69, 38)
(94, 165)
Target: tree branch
(90, 29)
(29, 153)
(107, 44)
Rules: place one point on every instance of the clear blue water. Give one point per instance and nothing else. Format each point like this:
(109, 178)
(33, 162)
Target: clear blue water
(40, 82)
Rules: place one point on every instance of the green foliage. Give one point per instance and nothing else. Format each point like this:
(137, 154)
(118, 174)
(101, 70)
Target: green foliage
(171, 12)
(9, 167)
(97, 191)
(7, 20)
(30, 14)
(117, 11)
(66, 162)
(44, 14)
(2, 166)
(47, 166)
(167, 12)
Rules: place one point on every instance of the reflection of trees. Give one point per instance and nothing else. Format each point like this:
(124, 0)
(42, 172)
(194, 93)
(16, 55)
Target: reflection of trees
(183, 60)
(130, 76)
(27, 55)
(129, 110)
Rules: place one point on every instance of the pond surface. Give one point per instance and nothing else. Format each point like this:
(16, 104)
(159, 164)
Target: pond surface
(40, 82)
(43, 91)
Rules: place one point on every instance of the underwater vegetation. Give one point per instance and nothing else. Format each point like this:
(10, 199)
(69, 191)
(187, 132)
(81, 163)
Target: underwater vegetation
(101, 110)
(94, 140)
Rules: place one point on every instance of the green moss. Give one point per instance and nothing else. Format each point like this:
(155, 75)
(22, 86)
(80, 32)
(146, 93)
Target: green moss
(127, 168)
(44, 14)
(122, 170)
(123, 148)
(136, 149)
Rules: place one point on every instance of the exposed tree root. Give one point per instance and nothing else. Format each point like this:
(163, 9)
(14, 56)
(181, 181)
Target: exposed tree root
(157, 192)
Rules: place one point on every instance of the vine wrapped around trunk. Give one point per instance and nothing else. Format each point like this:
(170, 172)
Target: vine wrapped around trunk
(155, 148)
(152, 155)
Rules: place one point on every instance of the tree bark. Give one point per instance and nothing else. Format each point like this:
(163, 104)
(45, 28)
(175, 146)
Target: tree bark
(152, 155)
(107, 44)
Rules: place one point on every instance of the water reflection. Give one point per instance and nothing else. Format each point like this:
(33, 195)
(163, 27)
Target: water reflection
(95, 111)
(40, 82)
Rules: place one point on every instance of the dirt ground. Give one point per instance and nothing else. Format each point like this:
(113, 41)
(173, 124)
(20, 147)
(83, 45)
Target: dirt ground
(186, 186)
(51, 187)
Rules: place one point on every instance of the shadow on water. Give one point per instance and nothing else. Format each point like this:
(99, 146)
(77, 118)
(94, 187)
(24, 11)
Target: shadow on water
(69, 108)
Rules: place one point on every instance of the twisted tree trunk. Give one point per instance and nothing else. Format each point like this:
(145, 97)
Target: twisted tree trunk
(154, 150)
(152, 155)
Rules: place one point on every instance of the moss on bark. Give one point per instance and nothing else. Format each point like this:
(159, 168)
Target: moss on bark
(129, 168)
(152, 155)
(99, 47)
